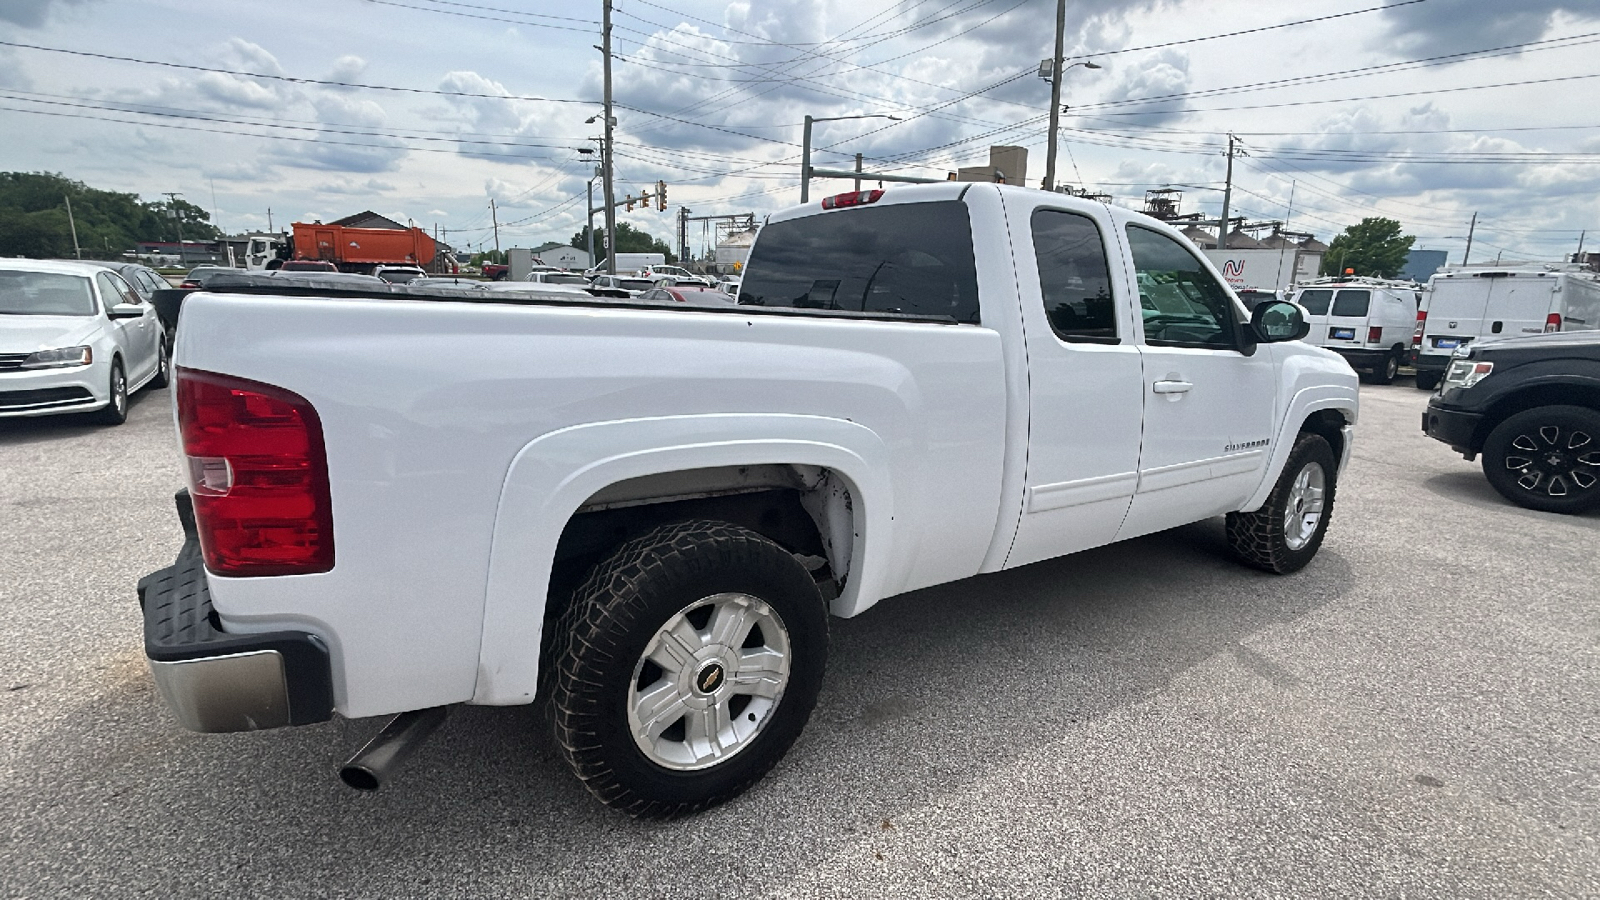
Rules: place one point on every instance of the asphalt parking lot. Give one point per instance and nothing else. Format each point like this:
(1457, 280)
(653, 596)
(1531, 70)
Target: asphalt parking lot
(1415, 715)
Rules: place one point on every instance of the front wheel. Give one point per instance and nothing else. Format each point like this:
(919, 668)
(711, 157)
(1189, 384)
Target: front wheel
(687, 664)
(1285, 533)
(1546, 459)
(116, 409)
(1427, 381)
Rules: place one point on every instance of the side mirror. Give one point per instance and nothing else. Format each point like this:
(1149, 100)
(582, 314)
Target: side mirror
(126, 311)
(1279, 320)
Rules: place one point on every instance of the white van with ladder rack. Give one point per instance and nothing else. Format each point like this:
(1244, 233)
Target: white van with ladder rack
(1368, 321)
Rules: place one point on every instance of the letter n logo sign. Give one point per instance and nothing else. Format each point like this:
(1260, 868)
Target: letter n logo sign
(1233, 268)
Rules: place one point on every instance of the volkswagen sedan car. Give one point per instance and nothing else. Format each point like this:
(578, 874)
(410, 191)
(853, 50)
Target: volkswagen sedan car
(74, 337)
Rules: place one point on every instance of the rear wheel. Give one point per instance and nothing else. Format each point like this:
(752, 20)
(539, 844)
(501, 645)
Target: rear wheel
(1384, 372)
(1285, 533)
(687, 665)
(116, 411)
(163, 364)
(1546, 459)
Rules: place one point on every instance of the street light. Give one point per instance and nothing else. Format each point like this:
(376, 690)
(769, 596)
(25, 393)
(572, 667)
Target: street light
(805, 148)
(1055, 69)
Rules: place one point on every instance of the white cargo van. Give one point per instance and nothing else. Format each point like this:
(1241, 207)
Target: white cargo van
(1475, 303)
(1366, 320)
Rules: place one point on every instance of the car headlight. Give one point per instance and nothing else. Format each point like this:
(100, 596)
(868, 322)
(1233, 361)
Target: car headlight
(59, 359)
(1465, 373)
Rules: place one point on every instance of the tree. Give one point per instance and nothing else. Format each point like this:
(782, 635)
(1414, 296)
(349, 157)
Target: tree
(1372, 247)
(33, 218)
(629, 240)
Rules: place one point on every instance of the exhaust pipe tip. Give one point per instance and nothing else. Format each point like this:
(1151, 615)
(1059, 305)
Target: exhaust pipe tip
(359, 777)
(385, 753)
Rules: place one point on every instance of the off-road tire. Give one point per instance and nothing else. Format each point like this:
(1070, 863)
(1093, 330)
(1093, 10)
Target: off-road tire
(1257, 538)
(115, 411)
(1531, 425)
(604, 632)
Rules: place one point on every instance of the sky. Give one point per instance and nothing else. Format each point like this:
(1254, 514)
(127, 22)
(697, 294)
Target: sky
(1423, 111)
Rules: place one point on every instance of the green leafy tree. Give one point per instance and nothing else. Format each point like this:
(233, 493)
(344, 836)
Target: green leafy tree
(33, 218)
(629, 240)
(1372, 247)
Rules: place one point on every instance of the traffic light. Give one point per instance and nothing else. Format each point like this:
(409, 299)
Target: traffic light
(630, 203)
(661, 196)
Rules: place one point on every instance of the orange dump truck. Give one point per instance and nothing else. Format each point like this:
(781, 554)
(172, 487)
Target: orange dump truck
(360, 249)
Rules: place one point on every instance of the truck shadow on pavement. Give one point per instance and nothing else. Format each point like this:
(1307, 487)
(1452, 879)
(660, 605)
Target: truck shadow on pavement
(928, 696)
(1472, 489)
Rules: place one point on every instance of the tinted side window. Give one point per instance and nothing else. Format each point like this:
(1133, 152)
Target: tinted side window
(1182, 305)
(1316, 301)
(1352, 303)
(1073, 277)
(914, 259)
(111, 292)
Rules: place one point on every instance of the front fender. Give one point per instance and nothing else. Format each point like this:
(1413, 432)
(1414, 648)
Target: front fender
(1310, 383)
(554, 475)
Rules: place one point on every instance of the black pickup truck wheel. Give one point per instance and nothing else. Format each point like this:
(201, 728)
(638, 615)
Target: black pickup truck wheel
(688, 663)
(1547, 458)
(1284, 534)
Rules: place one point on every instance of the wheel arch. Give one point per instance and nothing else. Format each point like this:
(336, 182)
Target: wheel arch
(1325, 410)
(1584, 393)
(696, 465)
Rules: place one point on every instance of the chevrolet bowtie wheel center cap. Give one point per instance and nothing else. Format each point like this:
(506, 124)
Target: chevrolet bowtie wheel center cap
(708, 679)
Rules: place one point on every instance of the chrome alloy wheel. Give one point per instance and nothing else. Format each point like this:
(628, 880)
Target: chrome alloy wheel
(119, 390)
(708, 682)
(1303, 510)
(1554, 462)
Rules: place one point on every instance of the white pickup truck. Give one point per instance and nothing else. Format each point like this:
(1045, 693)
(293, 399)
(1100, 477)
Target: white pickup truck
(402, 502)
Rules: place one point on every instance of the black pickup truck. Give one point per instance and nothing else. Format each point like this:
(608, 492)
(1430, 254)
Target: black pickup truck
(1531, 407)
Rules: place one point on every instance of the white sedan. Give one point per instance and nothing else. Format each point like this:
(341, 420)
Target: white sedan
(74, 338)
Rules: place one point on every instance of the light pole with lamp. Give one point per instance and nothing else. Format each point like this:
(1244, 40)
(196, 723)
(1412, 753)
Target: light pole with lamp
(805, 148)
(1055, 68)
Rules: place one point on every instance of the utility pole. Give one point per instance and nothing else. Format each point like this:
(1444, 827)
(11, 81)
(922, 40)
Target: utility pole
(858, 168)
(805, 162)
(494, 217)
(269, 218)
(683, 235)
(177, 216)
(590, 231)
(74, 225)
(1470, 229)
(1055, 97)
(610, 188)
(1227, 199)
(1578, 257)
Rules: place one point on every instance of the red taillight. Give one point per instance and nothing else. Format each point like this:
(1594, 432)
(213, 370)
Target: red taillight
(189, 284)
(853, 198)
(258, 474)
(1374, 334)
(1552, 322)
(1422, 321)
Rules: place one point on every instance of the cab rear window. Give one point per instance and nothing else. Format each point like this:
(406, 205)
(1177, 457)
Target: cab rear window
(912, 259)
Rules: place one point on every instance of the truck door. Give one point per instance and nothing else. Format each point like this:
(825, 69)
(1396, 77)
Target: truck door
(326, 246)
(1084, 381)
(1209, 408)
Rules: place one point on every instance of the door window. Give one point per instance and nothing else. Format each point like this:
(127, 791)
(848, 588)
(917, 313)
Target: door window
(1182, 305)
(1352, 304)
(1074, 279)
(1316, 301)
(113, 291)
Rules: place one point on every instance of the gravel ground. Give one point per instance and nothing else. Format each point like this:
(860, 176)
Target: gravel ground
(1413, 715)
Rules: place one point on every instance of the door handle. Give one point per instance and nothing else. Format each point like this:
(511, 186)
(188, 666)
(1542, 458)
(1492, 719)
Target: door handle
(1171, 387)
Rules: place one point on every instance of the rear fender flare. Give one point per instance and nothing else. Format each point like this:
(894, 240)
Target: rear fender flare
(552, 477)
